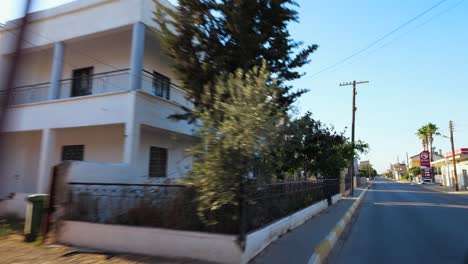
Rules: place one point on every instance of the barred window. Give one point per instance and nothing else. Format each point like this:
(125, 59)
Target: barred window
(158, 162)
(161, 85)
(72, 152)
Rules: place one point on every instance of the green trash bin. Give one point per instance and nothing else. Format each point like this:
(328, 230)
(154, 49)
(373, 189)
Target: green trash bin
(34, 216)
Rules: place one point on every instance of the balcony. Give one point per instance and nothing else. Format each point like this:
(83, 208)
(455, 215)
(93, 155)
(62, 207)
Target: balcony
(99, 83)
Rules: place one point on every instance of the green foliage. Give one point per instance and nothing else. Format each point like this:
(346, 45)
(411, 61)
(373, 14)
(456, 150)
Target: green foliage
(368, 172)
(232, 138)
(307, 144)
(405, 176)
(209, 39)
(415, 171)
(10, 225)
(426, 133)
(389, 174)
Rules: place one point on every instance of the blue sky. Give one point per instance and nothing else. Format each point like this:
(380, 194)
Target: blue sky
(416, 75)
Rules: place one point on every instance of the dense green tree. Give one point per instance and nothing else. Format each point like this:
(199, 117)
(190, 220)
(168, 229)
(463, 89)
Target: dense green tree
(405, 176)
(368, 172)
(229, 146)
(307, 145)
(415, 171)
(389, 174)
(209, 39)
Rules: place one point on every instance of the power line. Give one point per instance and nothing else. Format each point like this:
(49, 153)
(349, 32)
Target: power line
(380, 39)
(406, 33)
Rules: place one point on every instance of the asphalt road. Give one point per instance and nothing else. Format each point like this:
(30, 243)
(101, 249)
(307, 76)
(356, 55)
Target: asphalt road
(402, 223)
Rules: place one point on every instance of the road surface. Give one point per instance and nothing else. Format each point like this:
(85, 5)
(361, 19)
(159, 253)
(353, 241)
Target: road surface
(403, 223)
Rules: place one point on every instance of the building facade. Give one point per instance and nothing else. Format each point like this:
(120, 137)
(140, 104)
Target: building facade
(92, 85)
(446, 170)
(364, 164)
(398, 169)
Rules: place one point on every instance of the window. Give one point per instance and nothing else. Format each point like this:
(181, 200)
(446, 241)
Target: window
(82, 82)
(73, 152)
(158, 162)
(161, 85)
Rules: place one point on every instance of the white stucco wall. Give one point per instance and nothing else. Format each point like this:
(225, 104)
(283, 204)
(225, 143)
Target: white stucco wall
(153, 111)
(152, 241)
(447, 175)
(102, 143)
(107, 51)
(179, 163)
(335, 198)
(71, 112)
(15, 206)
(34, 67)
(19, 157)
(19, 162)
(82, 18)
(155, 57)
(175, 243)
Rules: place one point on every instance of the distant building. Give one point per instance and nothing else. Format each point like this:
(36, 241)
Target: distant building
(414, 160)
(398, 170)
(445, 172)
(365, 164)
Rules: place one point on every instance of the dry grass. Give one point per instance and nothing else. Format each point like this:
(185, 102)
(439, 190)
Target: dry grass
(14, 250)
(10, 225)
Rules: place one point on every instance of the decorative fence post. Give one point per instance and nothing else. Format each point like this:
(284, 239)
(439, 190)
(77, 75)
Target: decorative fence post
(242, 213)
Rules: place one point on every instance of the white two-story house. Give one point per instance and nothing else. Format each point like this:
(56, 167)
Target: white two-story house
(93, 85)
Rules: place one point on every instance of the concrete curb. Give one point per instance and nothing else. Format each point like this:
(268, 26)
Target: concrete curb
(322, 251)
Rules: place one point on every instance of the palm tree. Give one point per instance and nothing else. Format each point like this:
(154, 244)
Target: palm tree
(431, 131)
(422, 134)
(426, 133)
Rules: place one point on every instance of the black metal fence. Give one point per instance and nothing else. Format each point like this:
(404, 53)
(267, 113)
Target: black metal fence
(267, 203)
(174, 206)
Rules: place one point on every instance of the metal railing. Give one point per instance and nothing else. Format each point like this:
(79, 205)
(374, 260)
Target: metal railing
(162, 87)
(99, 83)
(174, 206)
(26, 94)
(267, 203)
(152, 205)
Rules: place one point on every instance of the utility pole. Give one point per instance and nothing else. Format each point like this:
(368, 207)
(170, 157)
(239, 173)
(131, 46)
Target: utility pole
(12, 70)
(453, 155)
(353, 83)
(408, 167)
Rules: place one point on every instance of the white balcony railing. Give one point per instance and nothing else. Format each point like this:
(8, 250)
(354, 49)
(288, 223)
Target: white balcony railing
(99, 83)
(106, 82)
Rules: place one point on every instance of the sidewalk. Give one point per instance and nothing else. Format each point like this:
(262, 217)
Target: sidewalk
(445, 189)
(298, 245)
